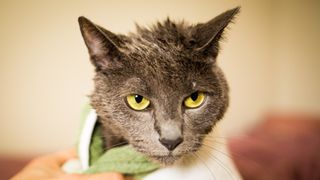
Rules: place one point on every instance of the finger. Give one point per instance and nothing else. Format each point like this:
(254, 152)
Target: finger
(56, 159)
(63, 156)
(106, 176)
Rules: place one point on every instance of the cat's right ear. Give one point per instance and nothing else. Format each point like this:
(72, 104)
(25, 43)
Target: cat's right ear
(103, 45)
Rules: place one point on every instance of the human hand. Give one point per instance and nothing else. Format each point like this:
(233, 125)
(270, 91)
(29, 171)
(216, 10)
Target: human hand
(48, 167)
(282, 147)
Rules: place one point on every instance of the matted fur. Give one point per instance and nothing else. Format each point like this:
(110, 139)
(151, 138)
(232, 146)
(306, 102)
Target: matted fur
(164, 63)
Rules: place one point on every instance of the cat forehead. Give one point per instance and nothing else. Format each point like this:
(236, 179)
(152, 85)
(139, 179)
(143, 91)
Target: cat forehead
(155, 55)
(160, 53)
(163, 59)
(152, 72)
(152, 48)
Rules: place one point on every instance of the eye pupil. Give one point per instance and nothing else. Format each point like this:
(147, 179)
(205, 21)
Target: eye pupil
(194, 96)
(138, 98)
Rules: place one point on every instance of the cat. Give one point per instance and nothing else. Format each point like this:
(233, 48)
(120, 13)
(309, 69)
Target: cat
(160, 89)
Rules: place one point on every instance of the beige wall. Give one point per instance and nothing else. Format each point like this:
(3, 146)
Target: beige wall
(270, 58)
(297, 55)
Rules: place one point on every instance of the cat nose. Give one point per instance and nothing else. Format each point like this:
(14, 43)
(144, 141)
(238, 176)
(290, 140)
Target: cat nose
(171, 144)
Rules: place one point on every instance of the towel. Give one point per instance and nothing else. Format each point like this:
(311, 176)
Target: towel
(124, 159)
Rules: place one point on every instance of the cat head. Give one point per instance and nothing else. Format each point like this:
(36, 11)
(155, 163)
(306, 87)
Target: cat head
(159, 88)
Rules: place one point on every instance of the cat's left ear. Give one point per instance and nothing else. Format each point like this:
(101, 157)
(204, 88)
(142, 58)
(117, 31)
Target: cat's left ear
(206, 36)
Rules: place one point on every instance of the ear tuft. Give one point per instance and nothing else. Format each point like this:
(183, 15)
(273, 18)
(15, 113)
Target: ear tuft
(102, 44)
(209, 34)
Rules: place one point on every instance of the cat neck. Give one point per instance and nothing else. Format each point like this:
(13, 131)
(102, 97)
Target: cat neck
(110, 136)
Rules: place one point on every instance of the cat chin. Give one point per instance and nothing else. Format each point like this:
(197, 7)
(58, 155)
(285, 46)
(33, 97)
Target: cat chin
(169, 158)
(166, 160)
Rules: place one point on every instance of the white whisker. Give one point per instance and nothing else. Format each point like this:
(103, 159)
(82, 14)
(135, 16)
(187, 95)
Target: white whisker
(228, 170)
(197, 156)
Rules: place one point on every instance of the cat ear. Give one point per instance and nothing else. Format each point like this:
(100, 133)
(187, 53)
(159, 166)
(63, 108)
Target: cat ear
(206, 36)
(103, 45)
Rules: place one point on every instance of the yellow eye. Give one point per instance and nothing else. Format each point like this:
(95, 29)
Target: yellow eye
(194, 100)
(137, 102)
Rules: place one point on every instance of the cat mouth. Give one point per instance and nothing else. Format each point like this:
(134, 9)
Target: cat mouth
(166, 160)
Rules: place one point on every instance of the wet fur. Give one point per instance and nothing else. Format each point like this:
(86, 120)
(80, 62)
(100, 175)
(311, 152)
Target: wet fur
(165, 63)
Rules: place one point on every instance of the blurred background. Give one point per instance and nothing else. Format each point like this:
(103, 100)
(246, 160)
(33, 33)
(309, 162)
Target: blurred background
(270, 57)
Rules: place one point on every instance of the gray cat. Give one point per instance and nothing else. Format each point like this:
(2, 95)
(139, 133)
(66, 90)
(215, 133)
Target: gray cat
(158, 89)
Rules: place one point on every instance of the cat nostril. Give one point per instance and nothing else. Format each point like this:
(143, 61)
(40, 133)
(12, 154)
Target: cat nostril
(171, 144)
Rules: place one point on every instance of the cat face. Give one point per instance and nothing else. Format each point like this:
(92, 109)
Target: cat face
(160, 88)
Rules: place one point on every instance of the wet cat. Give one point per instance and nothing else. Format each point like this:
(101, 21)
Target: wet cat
(159, 89)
